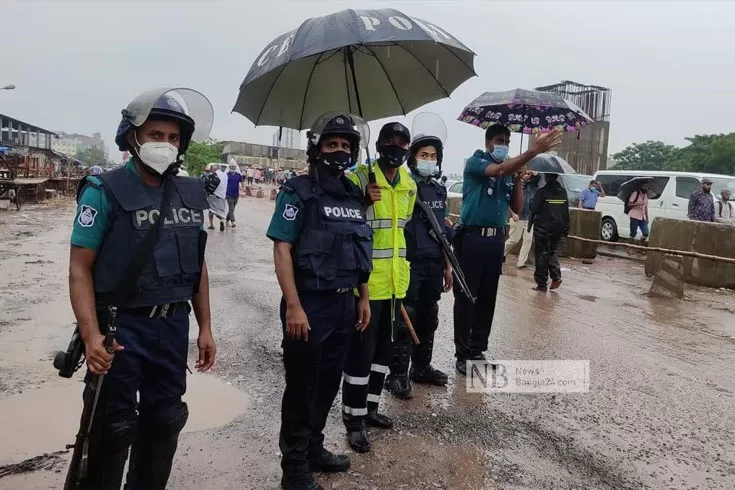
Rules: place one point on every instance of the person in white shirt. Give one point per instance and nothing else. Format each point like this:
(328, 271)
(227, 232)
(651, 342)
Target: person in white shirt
(724, 212)
(217, 200)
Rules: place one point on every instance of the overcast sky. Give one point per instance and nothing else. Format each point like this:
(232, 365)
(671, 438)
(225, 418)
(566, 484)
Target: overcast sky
(77, 64)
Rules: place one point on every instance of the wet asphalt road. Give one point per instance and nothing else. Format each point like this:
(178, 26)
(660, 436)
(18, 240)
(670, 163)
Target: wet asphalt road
(660, 412)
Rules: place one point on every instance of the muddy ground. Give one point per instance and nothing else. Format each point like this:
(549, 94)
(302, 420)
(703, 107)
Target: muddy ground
(659, 413)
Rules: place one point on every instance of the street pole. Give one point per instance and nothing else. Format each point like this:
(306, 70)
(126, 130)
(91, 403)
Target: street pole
(8, 87)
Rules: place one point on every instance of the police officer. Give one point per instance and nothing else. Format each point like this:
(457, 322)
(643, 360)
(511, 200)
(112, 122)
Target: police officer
(390, 201)
(550, 222)
(322, 246)
(431, 274)
(492, 184)
(115, 211)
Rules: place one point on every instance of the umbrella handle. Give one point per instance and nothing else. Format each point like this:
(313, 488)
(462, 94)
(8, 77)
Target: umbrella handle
(351, 62)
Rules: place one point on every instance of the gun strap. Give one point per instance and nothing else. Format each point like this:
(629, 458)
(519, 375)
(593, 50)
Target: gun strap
(143, 252)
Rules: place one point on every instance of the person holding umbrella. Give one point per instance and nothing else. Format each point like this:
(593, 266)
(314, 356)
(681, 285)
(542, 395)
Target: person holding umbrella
(550, 222)
(492, 185)
(322, 250)
(390, 202)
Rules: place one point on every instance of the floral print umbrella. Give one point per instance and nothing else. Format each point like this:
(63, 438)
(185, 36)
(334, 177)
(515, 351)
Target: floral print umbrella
(525, 111)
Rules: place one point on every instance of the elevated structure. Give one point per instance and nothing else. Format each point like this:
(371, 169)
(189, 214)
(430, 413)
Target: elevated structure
(586, 150)
(265, 156)
(26, 149)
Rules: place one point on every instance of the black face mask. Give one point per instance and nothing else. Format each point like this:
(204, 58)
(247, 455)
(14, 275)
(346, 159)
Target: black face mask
(336, 162)
(393, 155)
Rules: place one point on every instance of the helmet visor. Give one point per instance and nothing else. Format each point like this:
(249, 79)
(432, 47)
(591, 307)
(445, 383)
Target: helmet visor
(429, 125)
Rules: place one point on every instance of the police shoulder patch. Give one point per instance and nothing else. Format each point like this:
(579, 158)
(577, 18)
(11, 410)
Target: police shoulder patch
(86, 216)
(290, 212)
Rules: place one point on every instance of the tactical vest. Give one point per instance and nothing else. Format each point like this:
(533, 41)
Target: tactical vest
(335, 247)
(172, 275)
(419, 242)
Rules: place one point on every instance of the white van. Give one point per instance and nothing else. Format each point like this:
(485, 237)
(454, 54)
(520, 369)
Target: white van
(672, 203)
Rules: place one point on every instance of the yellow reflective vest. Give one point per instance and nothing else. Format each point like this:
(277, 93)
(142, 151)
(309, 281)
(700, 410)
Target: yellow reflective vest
(388, 218)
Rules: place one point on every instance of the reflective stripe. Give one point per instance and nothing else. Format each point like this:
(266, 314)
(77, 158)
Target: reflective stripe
(379, 368)
(373, 398)
(401, 252)
(363, 178)
(401, 222)
(356, 380)
(381, 223)
(358, 412)
(386, 253)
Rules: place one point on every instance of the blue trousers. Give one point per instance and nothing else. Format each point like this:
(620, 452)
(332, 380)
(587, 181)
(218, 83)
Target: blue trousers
(481, 260)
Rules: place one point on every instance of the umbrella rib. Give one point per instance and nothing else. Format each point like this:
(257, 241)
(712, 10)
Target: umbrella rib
(459, 58)
(306, 90)
(395, 92)
(443, 89)
(270, 90)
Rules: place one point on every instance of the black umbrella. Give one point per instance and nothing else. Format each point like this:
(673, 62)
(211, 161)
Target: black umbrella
(550, 164)
(525, 111)
(655, 187)
(378, 63)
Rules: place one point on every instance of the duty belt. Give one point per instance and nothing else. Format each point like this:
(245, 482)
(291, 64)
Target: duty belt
(480, 231)
(157, 311)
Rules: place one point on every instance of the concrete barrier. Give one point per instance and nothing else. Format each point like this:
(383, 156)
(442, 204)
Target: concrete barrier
(695, 236)
(274, 194)
(583, 223)
(248, 191)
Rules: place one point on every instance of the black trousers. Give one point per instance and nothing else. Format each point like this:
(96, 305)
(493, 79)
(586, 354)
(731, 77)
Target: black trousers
(313, 371)
(481, 260)
(367, 363)
(421, 302)
(547, 263)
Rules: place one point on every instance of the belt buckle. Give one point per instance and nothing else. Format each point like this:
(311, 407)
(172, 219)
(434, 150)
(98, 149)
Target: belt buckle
(159, 311)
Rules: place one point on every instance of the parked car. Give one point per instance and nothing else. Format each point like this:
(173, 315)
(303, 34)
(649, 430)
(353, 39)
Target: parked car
(672, 203)
(572, 183)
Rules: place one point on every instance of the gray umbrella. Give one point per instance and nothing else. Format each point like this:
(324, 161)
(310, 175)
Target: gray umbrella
(655, 187)
(550, 164)
(377, 63)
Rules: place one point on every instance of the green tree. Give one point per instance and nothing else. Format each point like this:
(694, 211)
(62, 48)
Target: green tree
(200, 154)
(712, 153)
(651, 155)
(92, 155)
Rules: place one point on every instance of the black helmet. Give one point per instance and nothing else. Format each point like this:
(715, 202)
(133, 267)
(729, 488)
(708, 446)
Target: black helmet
(352, 127)
(393, 129)
(420, 141)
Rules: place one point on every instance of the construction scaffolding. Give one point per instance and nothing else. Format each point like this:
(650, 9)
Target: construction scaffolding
(586, 150)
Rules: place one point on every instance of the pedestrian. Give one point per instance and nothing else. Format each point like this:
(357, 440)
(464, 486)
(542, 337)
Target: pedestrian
(520, 231)
(431, 274)
(234, 182)
(218, 199)
(140, 400)
(322, 250)
(491, 185)
(702, 204)
(637, 210)
(550, 221)
(258, 176)
(390, 201)
(588, 197)
(250, 174)
(724, 213)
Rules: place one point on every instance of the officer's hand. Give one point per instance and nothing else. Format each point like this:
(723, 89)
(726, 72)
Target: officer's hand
(207, 352)
(514, 216)
(99, 360)
(297, 325)
(448, 279)
(372, 193)
(547, 141)
(363, 314)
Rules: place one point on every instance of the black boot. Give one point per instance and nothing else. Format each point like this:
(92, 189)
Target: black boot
(153, 452)
(399, 386)
(428, 375)
(375, 419)
(327, 462)
(461, 366)
(108, 452)
(299, 481)
(358, 440)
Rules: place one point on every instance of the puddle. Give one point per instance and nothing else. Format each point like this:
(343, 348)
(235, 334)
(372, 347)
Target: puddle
(45, 420)
(587, 297)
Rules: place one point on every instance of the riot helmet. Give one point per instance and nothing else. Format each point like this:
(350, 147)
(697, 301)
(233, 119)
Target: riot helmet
(189, 109)
(429, 130)
(353, 128)
(391, 154)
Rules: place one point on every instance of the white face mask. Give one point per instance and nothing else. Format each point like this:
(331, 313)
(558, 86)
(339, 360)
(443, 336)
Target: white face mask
(426, 168)
(158, 156)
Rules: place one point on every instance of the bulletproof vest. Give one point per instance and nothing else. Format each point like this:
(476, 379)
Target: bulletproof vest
(334, 249)
(173, 272)
(420, 245)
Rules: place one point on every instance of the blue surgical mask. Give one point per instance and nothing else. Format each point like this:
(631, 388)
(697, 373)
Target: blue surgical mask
(500, 152)
(426, 168)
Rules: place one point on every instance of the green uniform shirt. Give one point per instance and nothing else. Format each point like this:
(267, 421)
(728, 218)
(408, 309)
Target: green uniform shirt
(288, 218)
(92, 219)
(486, 200)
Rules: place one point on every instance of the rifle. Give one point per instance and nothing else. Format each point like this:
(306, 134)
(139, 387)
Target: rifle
(437, 232)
